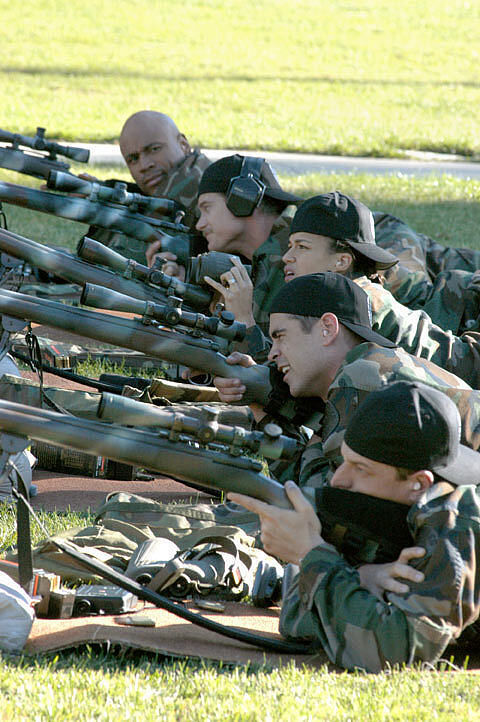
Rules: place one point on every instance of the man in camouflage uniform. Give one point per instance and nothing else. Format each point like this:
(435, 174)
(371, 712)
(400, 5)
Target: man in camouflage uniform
(364, 617)
(255, 232)
(441, 280)
(163, 165)
(333, 232)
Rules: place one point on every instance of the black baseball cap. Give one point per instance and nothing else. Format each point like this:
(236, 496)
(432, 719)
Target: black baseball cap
(329, 292)
(216, 179)
(413, 426)
(338, 216)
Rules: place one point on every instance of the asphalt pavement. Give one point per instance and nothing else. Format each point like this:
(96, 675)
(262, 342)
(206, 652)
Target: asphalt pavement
(299, 163)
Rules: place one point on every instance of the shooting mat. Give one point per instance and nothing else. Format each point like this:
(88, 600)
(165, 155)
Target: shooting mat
(175, 637)
(172, 636)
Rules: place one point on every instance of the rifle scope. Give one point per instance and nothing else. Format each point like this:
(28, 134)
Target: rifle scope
(118, 194)
(96, 252)
(213, 264)
(39, 142)
(170, 313)
(206, 429)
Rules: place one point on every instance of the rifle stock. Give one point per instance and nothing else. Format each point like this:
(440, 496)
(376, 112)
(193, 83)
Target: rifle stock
(175, 347)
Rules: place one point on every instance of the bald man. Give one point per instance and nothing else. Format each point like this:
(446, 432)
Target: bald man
(162, 164)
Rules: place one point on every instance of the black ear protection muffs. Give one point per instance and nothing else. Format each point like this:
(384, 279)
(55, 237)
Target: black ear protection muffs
(246, 190)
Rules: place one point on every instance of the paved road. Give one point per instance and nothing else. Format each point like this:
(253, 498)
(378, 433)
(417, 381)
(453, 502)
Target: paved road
(298, 163)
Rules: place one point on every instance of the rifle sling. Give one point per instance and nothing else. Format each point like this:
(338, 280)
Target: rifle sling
(70, 375)
(148, 595)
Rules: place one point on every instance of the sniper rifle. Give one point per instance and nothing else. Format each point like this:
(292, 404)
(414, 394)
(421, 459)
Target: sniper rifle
(177, 347)
(98, 211)
(366, 529)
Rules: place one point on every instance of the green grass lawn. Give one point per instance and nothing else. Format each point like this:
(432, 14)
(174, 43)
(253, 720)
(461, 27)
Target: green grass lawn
(373, 78)
(370, 77)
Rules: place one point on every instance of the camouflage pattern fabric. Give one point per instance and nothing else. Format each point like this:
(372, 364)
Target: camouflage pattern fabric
(180, 185)
(268, 279)
(126, 520)
(415, 332)
(429, 275)
(326, 603)
(368, 367)
(455, 300)
(23, 391)
(65, 292)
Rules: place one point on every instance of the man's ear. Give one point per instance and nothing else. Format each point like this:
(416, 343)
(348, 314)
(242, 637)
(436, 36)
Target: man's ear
(329, 328)
(184, 144)
(419, 482)
(343, 262)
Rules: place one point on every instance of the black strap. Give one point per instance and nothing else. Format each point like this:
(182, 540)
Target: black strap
(24, 539)
(124, 582)
(70, 375)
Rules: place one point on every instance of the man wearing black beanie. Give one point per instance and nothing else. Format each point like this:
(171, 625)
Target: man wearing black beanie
(401, 455)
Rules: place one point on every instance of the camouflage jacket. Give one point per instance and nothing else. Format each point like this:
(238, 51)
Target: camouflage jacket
(436, 278)
(268, 279)
(180, 185)
(326, 603)
(368, 367)
(415, 332)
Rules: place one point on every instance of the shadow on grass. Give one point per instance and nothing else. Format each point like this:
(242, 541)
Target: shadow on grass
(325, 79)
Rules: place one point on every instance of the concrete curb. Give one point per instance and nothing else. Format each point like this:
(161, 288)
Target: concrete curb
(302, 163)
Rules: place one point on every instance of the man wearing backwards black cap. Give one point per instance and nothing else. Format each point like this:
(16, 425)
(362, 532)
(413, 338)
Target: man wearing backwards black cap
(240, 200)
(333, 232)
(319, 324)
(401, 445)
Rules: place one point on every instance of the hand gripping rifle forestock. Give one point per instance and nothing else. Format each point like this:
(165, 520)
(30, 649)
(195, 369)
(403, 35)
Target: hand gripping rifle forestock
(83, 210)
(174, 347)
(76, 270)
(176, 459)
